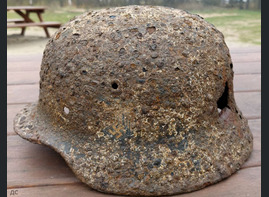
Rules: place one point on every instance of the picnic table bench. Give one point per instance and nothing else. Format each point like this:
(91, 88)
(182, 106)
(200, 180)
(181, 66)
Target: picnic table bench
(26, 21)
(36, 170)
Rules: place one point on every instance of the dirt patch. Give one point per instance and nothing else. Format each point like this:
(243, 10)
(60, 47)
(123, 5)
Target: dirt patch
(82, 10)
(246, 23)
(33, 42)
(217, 15)
(232, 38)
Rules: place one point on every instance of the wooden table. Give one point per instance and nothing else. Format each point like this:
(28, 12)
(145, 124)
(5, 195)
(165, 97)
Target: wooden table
(26, 21)
(36, 170)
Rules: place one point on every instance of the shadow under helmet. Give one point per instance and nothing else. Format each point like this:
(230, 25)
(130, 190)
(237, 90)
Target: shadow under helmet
(139, 100)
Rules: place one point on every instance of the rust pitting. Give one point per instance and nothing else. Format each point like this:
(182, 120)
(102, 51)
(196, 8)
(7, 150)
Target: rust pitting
(151, 29)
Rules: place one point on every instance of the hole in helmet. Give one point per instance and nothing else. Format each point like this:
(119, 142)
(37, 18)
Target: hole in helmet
(238, 114)
(223, 100)
(84, 72)
(114, 85)
(231, 65)
(66, 110)
(150, 30)
(144, 70)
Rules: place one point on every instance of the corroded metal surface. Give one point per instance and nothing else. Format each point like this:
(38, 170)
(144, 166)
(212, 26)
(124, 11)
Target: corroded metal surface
(139, 101)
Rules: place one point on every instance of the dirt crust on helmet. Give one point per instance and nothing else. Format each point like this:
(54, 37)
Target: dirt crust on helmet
(139, 101)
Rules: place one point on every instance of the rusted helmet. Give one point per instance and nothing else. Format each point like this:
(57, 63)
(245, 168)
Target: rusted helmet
(139, 100)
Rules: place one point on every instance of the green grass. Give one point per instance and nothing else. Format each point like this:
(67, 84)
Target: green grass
(236, 25)
(61, 16)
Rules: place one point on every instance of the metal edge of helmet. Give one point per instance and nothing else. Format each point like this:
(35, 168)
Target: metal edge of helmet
(139, 100)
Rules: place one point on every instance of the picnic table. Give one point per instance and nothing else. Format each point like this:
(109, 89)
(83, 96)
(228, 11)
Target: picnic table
(26, 21)
(36, 170)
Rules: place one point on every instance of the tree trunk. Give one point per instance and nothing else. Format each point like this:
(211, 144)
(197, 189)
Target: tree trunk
(61, 3)
(247, 4)
(241, 4)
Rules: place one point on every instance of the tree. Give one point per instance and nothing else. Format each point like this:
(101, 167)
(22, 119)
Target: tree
(259, 4)
(247, 4)
(62, 3)
(211, 2)
(241, 4)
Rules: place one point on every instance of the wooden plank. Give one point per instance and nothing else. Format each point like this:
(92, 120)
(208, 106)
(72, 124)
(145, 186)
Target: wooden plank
(35, 24)
(71, 190)
(247, 68)
(36, 8)
(246, 57)
(23, 66)
(24, 58)
(22, 77)
(18, 94)
(12, 110)
(247, 82)
(246, 182)
(249, 103)
(31, 164)
(15, 20)
(255, 157)
(248, 49)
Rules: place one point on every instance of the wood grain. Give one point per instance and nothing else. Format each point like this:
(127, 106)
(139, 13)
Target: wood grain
(31, 164)
(246, 57)
(24, 66)
(249, 103)
(22, 77)
(246, 182)
(19, 94)
(255, 157)
(24, 58)
(247, 82)
(240, 49)
(247, 68)
(12, 110)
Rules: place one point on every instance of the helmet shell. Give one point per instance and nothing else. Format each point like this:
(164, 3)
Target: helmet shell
(139, 101)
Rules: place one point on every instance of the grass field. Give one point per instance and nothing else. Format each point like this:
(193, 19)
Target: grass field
(240, 26)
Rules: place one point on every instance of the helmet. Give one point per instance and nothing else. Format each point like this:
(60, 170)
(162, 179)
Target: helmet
(139, 101)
